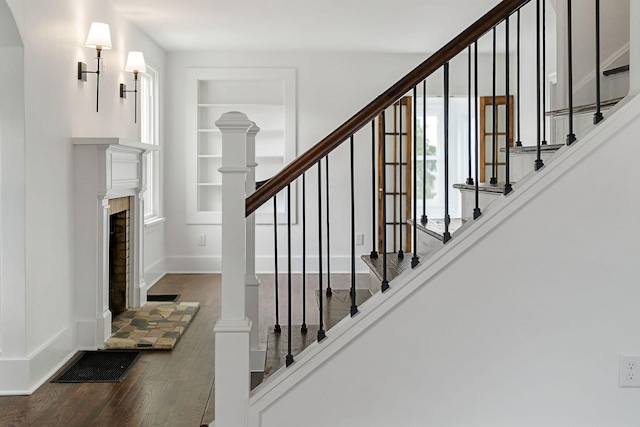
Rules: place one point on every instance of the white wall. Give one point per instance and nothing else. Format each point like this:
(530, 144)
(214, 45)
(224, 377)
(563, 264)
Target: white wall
(12, 256)
(58, 107)
(614, 44)
(521, 323)
(330, 89)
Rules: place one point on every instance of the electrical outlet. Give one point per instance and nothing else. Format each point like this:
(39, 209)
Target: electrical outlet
(630, 370)
(202, 240)
(360, 239)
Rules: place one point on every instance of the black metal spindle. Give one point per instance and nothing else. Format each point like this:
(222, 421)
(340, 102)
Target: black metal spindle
(476, 211)
(469, 178)
(354, 306)
(507, 185)
(538, 163)
(571, 137)
(276, 327)
(321, 333)
(400, 179)
(447, 235)
(597, 117)
(329, 290)
(304, 328)
(424, 219)
(544, 73)
(519, 141)
(374, 240)
(494, 145)
(415, 259)
(289, 358)
(385, 282)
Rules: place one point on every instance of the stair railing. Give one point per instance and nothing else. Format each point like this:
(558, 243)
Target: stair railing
(393, 155)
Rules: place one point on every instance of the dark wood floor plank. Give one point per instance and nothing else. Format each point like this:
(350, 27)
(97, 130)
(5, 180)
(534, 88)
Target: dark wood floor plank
(163, 388)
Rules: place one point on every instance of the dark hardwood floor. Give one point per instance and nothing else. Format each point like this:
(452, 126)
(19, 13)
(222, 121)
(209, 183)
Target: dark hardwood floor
(164, 388)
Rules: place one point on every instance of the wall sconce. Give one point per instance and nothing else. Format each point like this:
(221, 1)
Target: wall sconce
(135, 63)
(99, 38)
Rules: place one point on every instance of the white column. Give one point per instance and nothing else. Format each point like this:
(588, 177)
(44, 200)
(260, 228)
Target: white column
(232, 350)
(634, 47)
(103, 320)
(252, 283)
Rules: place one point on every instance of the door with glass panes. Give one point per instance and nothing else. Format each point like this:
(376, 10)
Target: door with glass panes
(492, 143)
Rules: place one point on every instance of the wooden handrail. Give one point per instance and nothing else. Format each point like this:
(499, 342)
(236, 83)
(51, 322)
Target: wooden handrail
(304, 162)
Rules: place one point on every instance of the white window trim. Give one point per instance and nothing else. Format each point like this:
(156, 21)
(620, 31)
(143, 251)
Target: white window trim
(156, 216)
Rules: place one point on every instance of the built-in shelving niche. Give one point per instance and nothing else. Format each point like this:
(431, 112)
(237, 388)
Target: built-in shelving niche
(267, 97)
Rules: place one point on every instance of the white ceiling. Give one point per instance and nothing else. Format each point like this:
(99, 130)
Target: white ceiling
(407, 26)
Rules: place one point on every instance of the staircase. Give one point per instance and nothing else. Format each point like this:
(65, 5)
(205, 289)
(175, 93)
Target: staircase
(515, 313)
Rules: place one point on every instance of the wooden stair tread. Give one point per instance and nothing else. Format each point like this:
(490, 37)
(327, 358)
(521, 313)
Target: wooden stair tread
(533, 149)
(436, 227)
(395, 266)
(483, 187)
(335, 308)
(587, 108)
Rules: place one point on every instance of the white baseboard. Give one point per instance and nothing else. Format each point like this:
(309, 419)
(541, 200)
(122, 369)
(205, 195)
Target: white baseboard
(23, 376)
(264, 264)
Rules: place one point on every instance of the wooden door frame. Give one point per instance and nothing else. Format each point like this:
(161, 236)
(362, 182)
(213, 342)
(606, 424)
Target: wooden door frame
(484, 102)
(407, 158)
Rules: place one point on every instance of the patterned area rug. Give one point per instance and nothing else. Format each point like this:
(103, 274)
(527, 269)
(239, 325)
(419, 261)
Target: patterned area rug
(155, 326)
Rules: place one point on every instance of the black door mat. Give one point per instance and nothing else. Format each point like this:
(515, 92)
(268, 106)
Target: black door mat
(163, 298)
(98, 367)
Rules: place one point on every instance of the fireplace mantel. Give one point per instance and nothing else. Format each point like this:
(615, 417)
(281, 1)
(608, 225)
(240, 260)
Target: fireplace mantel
(105, 168)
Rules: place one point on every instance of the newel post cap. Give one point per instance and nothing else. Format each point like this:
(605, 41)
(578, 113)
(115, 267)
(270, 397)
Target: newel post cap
(234, 121)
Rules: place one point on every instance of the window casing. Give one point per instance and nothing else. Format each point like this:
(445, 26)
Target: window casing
(149, 134)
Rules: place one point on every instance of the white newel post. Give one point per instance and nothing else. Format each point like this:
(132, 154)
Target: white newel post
(252, 283)
(232, 349)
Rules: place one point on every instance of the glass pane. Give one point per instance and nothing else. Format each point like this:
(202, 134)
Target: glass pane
(488, 149)
(502, 118)
(488, 118)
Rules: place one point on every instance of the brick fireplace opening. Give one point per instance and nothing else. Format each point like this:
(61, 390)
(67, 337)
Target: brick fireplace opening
(119, 245)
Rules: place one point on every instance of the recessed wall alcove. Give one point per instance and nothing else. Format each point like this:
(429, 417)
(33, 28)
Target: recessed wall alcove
(106, 171)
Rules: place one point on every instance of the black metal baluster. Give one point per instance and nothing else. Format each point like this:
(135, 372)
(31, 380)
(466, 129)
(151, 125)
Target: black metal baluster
(329, 290)
(385, 282)
(494, 144)
(544, 73)
(289, 358)
(476, 211)
(354, 306)
(304, 328)
(571, 137)
(276, 327)
(597, 117)
(424, 219)
(415, 259)
(507, 185)
(538, 163)
(321, 333)
(374, 239)
(469, 178)
(447, 235)
(400, 179)
(519, 141)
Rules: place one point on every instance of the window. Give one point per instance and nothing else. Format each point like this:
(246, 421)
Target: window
(458, 154)
(149, 134)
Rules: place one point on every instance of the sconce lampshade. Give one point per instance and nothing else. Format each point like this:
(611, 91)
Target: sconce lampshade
(135, 62)
(99, 36)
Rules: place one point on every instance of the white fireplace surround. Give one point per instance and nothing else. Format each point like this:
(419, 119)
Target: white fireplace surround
(104, 169)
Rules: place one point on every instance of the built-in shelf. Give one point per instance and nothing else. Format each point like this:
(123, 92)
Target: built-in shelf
(267, 97)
